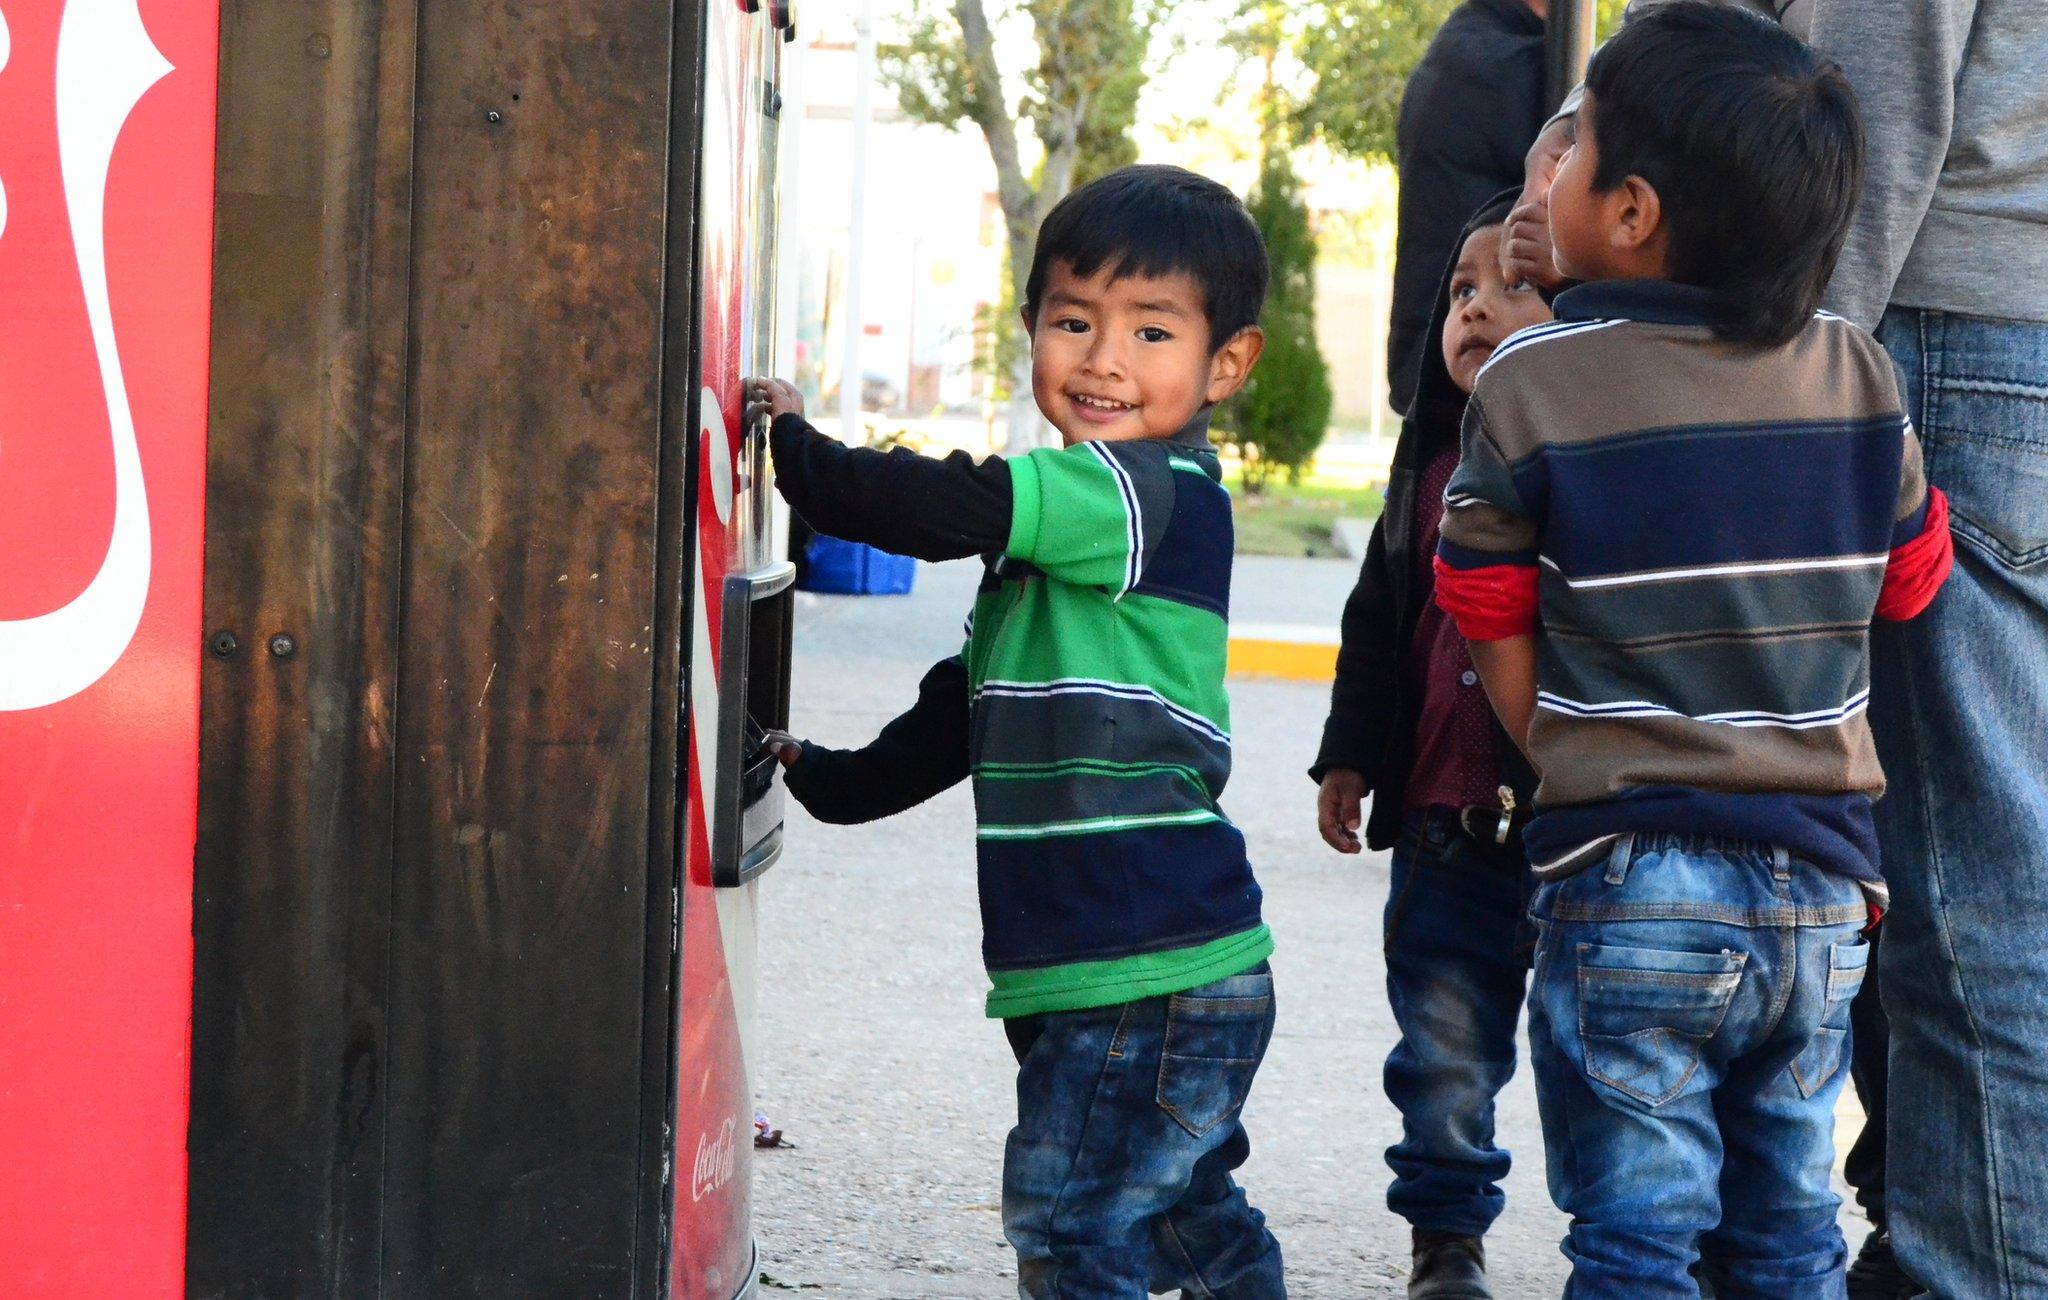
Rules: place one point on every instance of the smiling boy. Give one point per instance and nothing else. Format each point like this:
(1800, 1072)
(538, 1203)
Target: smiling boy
(1121, 922)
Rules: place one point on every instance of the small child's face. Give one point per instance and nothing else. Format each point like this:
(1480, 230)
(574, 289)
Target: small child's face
(1120, 359)
(1485, 308)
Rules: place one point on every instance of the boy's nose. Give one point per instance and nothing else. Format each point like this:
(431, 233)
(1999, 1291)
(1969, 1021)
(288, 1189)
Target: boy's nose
(1105, 358)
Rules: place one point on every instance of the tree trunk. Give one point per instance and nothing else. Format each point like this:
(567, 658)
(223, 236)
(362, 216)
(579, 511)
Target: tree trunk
(1024, 425)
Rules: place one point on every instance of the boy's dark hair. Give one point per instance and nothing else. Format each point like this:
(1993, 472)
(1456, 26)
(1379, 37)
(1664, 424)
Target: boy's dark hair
(1153, 220)
(1754, 146)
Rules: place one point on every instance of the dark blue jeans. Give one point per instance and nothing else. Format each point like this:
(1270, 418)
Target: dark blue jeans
(1959, 707)
(1457, 970)
(1116, 1180)
(1689, 1026)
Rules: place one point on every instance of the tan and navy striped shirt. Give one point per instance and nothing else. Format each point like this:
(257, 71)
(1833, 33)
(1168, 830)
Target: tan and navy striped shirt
(1699, 533)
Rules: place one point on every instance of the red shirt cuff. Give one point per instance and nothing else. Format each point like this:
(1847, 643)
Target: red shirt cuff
(1491, 603)
(1918, 568)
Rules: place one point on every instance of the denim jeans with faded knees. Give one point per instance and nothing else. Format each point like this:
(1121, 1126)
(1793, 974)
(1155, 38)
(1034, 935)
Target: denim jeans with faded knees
(1689, 1026)
(1457, 970)
(1959, 706)
(1116, 1180)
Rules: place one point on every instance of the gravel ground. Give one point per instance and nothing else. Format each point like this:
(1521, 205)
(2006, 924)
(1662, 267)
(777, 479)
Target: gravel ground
(880, 1067)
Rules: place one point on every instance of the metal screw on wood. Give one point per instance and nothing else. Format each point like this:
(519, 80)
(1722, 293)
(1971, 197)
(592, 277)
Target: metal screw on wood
(283, 646)
(494, 117)
(224, 644)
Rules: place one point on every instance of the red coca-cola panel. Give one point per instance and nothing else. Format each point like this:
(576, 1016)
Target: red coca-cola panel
(106, 176)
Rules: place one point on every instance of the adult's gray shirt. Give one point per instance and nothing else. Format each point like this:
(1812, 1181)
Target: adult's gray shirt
(1954, 215)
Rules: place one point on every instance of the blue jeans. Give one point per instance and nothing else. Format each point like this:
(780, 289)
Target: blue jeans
(1959, 705)
(1457, 970)
(1116, 1180)
(1689, 1026)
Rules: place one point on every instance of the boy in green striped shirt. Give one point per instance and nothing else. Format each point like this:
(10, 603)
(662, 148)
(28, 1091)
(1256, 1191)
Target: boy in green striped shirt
(1121, 922)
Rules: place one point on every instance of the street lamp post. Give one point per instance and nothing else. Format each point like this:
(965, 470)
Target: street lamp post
(1567, 45)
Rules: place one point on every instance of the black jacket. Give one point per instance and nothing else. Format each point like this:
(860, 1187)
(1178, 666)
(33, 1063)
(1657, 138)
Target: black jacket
(1371, 727)
(1472, 108)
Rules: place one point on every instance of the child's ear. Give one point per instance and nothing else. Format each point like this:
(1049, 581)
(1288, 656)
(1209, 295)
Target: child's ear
(1233, 362)
(1638, 214)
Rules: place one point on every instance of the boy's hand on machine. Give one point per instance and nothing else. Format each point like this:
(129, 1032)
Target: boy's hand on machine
(786, 748)
(773, 398)
(1337, 809)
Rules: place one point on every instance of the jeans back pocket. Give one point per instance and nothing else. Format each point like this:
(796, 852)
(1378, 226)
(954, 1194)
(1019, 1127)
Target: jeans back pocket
(1216, 1036)
(1645, 1013)
(1986, 440)
(1821, 1059)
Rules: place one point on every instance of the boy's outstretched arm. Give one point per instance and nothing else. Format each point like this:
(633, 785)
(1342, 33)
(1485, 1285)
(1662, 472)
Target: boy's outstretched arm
(923, 506)
(918, 755)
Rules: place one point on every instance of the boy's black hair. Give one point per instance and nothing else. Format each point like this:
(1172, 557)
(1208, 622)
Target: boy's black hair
(1754, 146)
(1152, 220)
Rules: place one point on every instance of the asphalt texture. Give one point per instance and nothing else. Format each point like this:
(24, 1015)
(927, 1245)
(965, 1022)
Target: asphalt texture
(879, 1066)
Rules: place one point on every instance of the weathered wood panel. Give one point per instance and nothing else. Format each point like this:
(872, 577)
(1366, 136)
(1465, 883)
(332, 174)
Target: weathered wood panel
(304, 471)
(526, 661)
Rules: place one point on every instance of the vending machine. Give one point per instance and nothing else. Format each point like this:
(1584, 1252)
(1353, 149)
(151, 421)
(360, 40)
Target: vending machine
(392, 607)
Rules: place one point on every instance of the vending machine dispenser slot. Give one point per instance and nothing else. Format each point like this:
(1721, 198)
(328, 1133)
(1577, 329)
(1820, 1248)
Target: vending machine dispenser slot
(753, 699)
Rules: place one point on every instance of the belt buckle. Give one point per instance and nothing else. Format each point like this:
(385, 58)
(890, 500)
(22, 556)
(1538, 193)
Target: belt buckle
(1501, 824)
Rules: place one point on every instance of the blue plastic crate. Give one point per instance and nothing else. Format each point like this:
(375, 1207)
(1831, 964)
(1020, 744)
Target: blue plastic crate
(842, 568)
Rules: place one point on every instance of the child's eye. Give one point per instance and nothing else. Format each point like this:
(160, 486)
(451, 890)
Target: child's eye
(1521, 286)
(1462, 289)
(1153, 334)
(1071, 325)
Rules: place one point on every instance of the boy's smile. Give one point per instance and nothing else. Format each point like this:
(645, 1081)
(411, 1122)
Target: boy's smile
(1120, 358)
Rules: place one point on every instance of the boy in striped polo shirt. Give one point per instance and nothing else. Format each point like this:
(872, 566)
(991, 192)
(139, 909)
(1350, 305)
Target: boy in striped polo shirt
(1121, 925)
(1677, 511)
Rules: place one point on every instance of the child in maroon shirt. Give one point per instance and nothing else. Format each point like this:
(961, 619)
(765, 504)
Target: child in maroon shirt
(1410, 725)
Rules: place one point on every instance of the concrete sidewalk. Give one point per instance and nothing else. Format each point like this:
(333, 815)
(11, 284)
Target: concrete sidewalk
(877, 1062)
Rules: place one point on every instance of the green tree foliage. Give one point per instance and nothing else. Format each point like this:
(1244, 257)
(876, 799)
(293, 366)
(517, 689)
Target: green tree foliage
(1080, 100)
(1278, 418)
(1359, 54)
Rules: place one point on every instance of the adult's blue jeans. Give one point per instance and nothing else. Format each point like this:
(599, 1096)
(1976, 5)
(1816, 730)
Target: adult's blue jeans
(1457, 971)
(1959, 707)
(1689, 1026)
(1116, 1180)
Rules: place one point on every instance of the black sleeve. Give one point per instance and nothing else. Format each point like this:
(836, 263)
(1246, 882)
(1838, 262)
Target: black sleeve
(917, 756)
(1362, 698)
(1469, 114)
(897, 500)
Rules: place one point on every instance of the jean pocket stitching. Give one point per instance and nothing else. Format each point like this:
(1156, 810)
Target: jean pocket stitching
(1721, 986)
(1990, 387)
(1233, 1073)
(1692, 1067)
(1836, 1039)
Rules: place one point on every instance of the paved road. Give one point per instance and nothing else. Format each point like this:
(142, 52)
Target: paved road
(880, 1067)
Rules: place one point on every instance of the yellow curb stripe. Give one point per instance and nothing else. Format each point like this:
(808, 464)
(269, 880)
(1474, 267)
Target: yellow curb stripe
(1302, 654)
